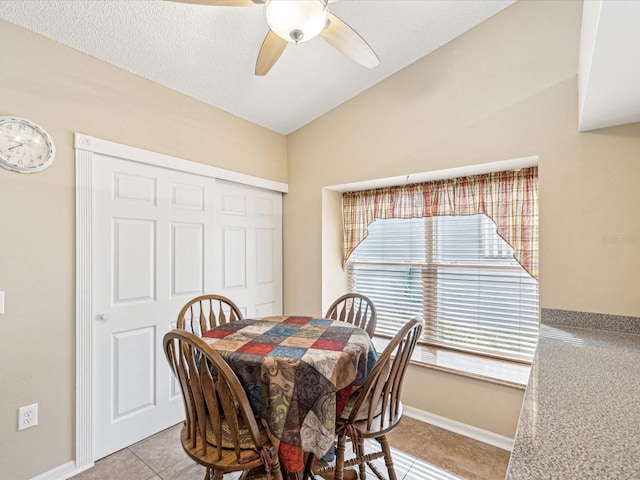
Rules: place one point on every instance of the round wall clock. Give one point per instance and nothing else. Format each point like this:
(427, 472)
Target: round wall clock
(24, 146)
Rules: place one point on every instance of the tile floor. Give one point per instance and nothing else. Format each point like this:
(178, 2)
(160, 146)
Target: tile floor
(420, 452)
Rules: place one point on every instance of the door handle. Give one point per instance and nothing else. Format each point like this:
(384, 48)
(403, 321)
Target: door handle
(103, 316)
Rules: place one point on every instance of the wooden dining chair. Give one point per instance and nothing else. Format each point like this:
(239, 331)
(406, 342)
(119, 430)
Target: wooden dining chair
(206, 312)
(220, 432)
(374, 410)
(356, 309)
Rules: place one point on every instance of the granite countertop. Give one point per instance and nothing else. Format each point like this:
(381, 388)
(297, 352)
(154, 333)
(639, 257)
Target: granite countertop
(580, 417)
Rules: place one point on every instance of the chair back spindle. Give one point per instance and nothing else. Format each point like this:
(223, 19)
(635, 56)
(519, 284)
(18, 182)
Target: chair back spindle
(356, 309)
(206, 312)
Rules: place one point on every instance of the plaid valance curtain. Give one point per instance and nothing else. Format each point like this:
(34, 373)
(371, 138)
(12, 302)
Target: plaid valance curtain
(509, 198)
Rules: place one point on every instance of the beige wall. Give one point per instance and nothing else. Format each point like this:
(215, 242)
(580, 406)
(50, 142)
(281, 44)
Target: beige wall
(484, 405)
(507, 89)
(334, 280)
(66, 92)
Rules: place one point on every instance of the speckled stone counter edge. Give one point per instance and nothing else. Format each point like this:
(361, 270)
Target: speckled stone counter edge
(594, 321)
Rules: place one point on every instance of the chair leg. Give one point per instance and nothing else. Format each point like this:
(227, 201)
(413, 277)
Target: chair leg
(387, 456)
(308, 467)
(362, 465)
(276, 470)
(339, 472)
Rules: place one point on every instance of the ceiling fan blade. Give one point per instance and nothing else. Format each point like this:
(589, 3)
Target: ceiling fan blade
(270, 52)
(345, 39)
(222, 3)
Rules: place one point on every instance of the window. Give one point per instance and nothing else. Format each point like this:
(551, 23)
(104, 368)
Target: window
(458, 274)
(434, 250)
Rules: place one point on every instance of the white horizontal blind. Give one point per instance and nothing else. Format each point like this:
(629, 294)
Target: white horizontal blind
(458, 274)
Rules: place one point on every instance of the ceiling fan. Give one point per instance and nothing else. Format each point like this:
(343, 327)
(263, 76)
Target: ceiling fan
(298, 21)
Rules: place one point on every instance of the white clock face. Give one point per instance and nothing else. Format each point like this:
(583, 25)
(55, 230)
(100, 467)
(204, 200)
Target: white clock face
(24, 146)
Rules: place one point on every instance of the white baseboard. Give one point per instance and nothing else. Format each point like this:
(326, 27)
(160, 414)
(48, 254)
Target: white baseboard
(61, 472)
(460, 428)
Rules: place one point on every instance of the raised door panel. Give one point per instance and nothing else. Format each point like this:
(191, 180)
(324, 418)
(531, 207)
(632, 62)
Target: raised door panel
(234, 251)
(190, 197)
(265, 208)
(133, 354)
(187, 259)
(264, 246)
(234, 203)
(134, 189)
(265, 309)
(133, 260)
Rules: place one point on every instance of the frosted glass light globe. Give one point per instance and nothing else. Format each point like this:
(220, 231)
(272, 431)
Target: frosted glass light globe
(296, 21)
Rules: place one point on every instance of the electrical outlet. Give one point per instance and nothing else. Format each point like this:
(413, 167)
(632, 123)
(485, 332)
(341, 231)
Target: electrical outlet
(27, 416)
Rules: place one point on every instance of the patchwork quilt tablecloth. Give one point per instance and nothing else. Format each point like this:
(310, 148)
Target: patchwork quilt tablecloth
(298, 373)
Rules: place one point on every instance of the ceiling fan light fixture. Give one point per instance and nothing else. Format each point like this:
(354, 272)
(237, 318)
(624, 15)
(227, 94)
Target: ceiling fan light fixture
(296, 21)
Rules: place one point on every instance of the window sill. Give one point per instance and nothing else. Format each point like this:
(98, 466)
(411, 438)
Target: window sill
(501, 372)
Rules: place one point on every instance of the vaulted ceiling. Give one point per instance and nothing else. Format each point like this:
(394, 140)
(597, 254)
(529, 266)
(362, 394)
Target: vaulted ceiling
(209, 53)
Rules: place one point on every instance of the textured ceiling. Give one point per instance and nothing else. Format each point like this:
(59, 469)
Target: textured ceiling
(209, 53)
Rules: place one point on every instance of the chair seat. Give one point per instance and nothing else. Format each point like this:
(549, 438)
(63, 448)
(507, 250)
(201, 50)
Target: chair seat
(227, 461)
(244, 435)
(380, 423)
(364, 410)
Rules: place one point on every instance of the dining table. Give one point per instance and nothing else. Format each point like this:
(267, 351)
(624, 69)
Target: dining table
(298, 372)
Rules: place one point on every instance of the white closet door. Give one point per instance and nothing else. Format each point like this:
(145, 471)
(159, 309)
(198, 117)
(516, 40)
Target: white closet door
(249, 246)
(154, 249)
